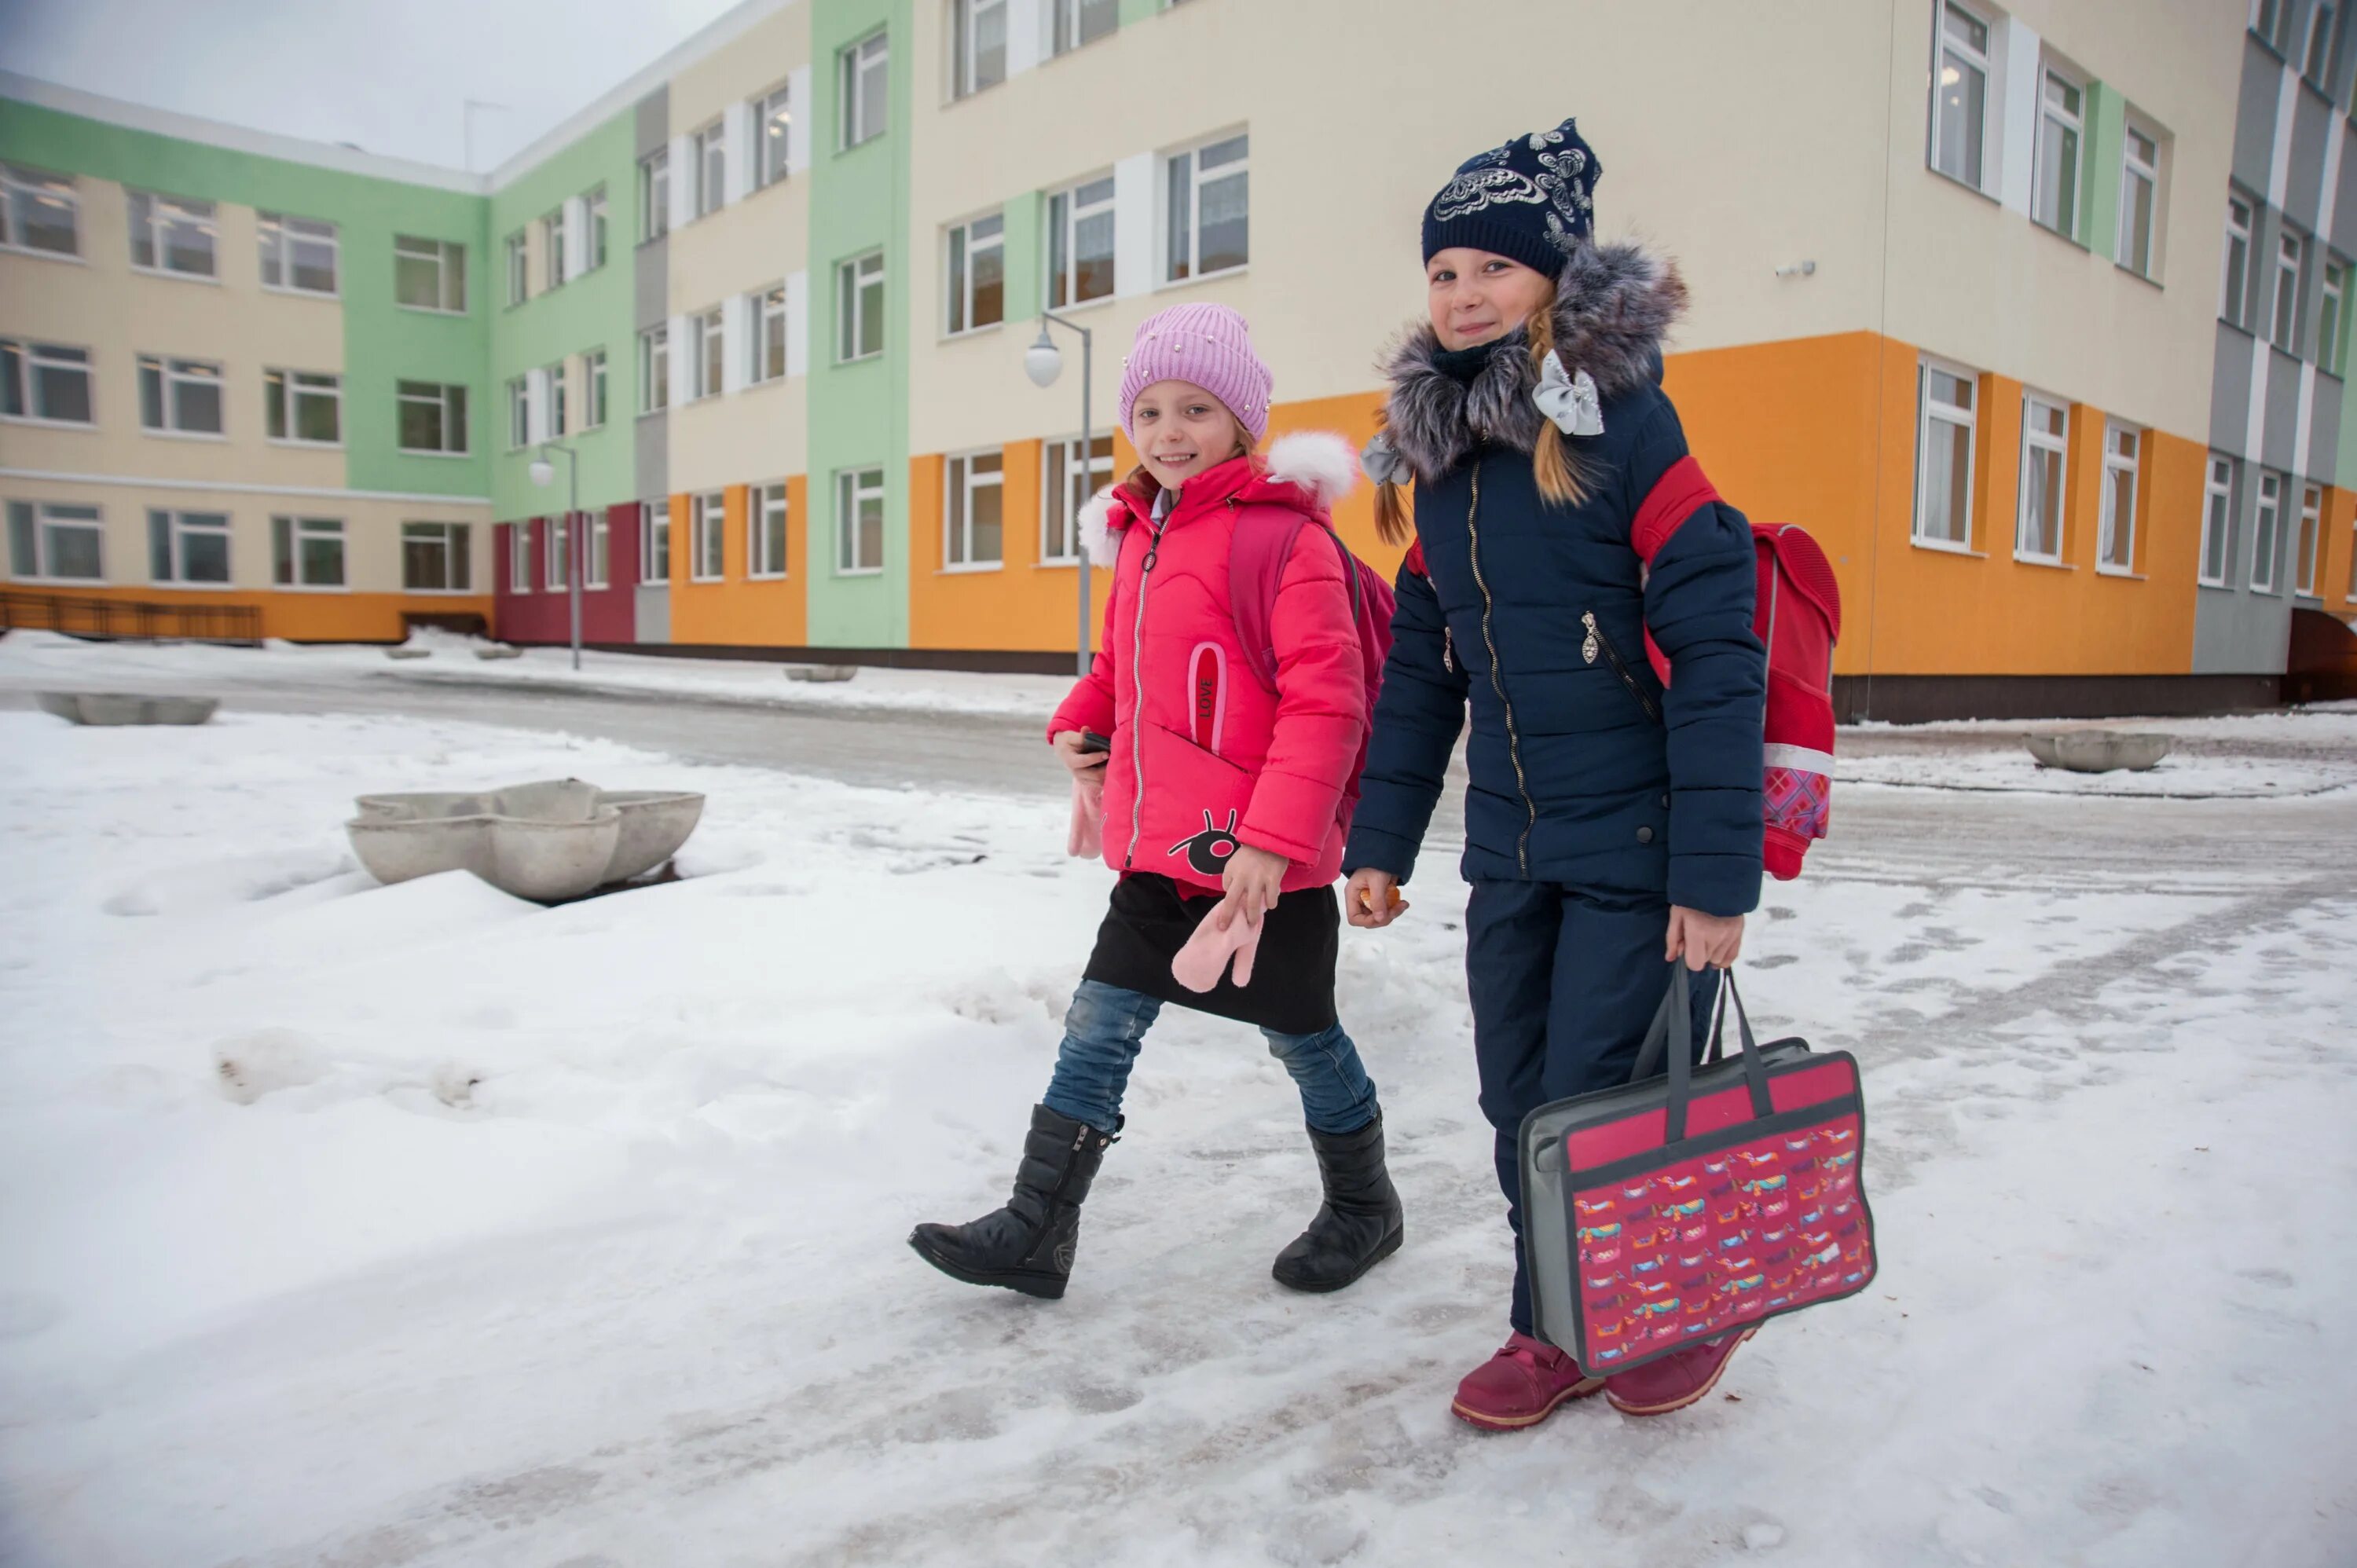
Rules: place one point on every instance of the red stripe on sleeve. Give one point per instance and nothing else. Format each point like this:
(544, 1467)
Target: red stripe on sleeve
(1414, 562)
(1678, 495)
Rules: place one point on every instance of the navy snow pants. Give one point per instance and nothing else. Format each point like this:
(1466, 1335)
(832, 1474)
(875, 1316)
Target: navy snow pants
(1564, 984)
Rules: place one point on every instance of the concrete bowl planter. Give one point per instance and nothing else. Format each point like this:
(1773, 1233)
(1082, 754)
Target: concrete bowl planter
(500, 651)
(407, 652)
(127, 708)
(2099, 750)
(820, 674)
(548, 841)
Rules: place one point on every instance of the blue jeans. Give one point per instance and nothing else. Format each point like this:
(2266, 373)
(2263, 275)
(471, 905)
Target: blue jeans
(1105, 1025)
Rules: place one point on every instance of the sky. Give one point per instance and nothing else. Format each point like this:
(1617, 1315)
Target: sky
(388, 76)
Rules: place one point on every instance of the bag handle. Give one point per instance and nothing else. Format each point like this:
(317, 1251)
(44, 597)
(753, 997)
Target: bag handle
(1672, 1032)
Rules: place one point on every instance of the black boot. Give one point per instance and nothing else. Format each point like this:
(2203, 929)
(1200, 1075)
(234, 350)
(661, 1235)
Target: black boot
(1359, 1224)
(1028, 1245)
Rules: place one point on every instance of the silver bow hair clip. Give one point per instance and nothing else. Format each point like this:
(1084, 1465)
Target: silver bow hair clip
(1569, 399)
(1382, 463)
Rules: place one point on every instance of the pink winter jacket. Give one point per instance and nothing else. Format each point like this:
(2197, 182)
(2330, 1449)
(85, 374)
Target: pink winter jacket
(1203, 756)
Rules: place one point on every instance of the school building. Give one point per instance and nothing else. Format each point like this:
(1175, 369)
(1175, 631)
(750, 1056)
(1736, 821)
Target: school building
(2037, 316)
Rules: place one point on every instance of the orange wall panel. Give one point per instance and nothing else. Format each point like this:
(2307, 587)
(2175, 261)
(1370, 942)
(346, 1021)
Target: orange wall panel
(734, 611)
(297, 616)
(1021, 606)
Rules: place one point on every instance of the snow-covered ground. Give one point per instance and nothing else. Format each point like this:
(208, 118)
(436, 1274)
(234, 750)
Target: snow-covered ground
(420, 1226)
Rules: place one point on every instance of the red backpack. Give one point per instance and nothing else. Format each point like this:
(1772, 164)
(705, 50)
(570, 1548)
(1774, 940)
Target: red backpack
(1262, 543)
(1797, 617)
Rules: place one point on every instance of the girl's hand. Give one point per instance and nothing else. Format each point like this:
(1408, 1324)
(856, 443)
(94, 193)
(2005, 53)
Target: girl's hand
(1707, 941)
(1069, 752)
(1253, 880)
(1371, 899)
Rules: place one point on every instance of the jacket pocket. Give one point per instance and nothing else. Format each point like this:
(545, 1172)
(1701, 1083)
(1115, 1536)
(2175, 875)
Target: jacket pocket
(1598, 641)
(1195, 801)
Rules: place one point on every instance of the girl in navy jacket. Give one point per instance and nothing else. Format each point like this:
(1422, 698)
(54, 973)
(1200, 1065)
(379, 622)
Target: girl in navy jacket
(1612, 823)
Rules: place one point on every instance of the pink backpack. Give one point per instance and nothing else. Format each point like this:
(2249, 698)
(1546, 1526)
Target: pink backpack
(1256, 557)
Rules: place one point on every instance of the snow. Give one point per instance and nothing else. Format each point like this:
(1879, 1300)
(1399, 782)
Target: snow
(422, 1226)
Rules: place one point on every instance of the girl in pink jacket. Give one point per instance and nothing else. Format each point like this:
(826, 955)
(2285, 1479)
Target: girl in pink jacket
(1223, 801)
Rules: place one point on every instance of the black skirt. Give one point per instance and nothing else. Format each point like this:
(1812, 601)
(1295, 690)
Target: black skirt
(1292, 989)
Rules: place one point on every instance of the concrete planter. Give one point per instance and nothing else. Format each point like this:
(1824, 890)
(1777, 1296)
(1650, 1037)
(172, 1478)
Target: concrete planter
(2099, 750)
(502, 651)
(409, 653)
(823, 674)
(127, 708)
(547, 842)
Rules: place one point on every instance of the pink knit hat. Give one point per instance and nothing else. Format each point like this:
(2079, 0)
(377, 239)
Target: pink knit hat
(1207, 345)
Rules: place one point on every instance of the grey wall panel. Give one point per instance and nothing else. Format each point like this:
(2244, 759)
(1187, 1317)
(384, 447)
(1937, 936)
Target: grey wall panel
(649, 293)
(653, 436)
(2312, 120)
(2241, 633)
(652, 609)
(2278, 443)
(655, 119)
(2255, 115)
(2230, 392)
(2323, 454)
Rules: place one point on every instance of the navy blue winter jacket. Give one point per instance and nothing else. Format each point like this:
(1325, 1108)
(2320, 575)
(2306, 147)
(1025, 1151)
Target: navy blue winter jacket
(1584, 769)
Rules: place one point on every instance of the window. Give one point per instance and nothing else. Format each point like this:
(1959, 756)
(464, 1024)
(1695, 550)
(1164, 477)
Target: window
(45, 382)
(2055, 202)
(654, 369)
(1079, 22)
(551, 250)
(2115, 549)
(556, 400)
(2272, 21)
(708, 350)
(179, 397)
(972, 534)
(596, 564)
(1960, 94)
(2320, 45)
(2140, 193)
(773, 123)
(1943, 461)
(2289, 251)
(2234, 307)
(593, 230)
(2332, 316)
(304, 407)
(519, 413)
(558, 549)
(2045, 449)
(43, 213)
(711, 146)
(169, 235)
(859, 308)
(654, 540)
(708, 520)
(433, 418)
(1079, 243)
(1211, 219)
(978, 45)
(188, 546)
(1069, 484)
(52, 540)
(2311, 539)
(765, 547)
(306, 551)
(593, 380)
(519, 269)
(768, 320)
(299, 254)
(864, 70)
(434, 557)
(859, 521)
(2217, 521)
(2262, 534)
(429, 275)
(977, 273)
(654, 195)
(519, 557)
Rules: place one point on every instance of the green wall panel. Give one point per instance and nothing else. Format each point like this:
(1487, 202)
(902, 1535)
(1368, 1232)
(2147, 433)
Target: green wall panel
(2106, 122)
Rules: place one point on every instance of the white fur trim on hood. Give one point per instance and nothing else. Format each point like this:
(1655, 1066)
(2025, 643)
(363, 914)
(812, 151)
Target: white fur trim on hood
(1317, 462)
(1097, 536)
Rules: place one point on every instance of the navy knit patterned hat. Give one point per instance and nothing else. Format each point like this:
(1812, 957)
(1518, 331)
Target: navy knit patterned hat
(1529, 200)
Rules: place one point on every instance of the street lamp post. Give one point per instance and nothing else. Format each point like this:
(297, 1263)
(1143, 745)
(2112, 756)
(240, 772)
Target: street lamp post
(1043, 362)
(542, 471)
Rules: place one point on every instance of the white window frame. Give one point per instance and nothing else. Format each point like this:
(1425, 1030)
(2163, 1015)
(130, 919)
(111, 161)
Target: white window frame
(962, 247)
(39, 518)
(593, 229)
(854, 278)
(773, 137)
(283, 392)
(277, 234)
(22, 187)
(2291, 258)
(2217, 524)
(594, 390)
(1976, 173)
(1188, 185)
(2271, 19)
(1066, 213)
(654, 195)
(2133, 170)
(709, 147)
(519, 255)
(519, 413)
(520, 556)
(177, 524)
(2120, 472)
(452, 415)
(2320, 18)
(289, 533)
(967, 73)
(762, 504)
(2054, 119)
(655, 539)
(2036, 441)
(2266, 534)
(708, 540)
(2235, 304)
(554, 374)
(764, 309)
(854, 486)
(2308, 564)
(962, 479)
(1927, 413)
(654, 368)
(449, 259)
(23, 364)
(864, 73)
(171, 374)
(707, 356)
(597, 543)
(1061, 472)
(154, 214)
(556, 551)
(457, 539)
(551, 250)
(1068, 20)
(2332, 315)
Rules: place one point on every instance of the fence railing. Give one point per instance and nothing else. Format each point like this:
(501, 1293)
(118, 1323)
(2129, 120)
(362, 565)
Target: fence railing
(129, 618)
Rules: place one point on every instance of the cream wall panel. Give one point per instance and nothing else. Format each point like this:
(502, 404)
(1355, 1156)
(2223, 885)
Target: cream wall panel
(767, 55)
(758, 435)
(753, 244)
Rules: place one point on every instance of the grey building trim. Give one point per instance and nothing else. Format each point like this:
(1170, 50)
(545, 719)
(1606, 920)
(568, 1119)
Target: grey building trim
(649, 299)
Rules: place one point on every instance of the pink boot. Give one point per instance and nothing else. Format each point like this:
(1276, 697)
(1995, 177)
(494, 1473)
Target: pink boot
(1224, 931)
(1521, 1385)
(1675, 1382)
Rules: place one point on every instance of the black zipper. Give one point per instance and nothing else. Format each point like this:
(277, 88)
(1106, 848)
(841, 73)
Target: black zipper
(1596, 641)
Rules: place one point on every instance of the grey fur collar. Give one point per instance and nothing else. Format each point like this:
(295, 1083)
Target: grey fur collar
(1614, 303)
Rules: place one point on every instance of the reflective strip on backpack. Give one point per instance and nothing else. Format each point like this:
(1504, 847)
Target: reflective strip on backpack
(1798, 758)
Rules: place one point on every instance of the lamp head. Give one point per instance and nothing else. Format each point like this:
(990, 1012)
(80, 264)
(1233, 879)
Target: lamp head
(542, 470)
(1043, 361)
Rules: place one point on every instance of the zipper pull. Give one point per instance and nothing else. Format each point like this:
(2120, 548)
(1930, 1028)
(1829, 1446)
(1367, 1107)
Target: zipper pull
(1587, 643)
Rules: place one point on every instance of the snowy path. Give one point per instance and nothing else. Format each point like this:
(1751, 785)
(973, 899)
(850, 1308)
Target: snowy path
(573, 1236)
